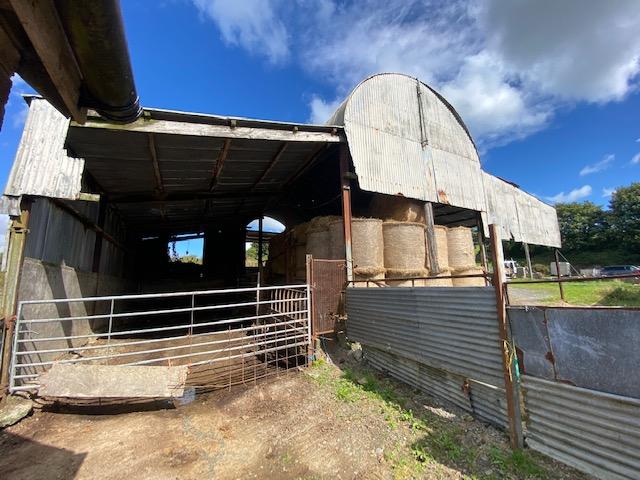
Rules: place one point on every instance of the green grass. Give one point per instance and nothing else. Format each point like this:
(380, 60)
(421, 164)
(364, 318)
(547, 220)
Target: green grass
(603, 293)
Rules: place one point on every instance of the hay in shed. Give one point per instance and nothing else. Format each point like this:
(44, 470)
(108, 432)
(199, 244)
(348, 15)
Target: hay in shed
(375, 278)
(461, 250)
(401, 277)
(336, 240)
(469, 281)
(442, 248)
(400, 209)
(299, 233)
(318, 243)
(404, 248)
(367, 243)
(440, 282)
(299, 261)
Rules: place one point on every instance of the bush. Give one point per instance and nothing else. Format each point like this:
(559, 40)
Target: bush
(541, 268)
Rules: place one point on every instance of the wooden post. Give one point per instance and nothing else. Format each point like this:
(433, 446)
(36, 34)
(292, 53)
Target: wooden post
(508, 359)
(15, 258)
(557, 258)
(430, 239)
(528, 257)
(346, 208)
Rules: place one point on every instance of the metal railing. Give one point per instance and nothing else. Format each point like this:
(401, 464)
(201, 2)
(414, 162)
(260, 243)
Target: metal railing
(225, 336)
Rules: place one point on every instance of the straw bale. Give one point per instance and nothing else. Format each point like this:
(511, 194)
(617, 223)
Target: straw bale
(401, 209)
(471, 281)
(318, 243)
(442, 248)
(461, 251)
(440, 282)
(404, 247)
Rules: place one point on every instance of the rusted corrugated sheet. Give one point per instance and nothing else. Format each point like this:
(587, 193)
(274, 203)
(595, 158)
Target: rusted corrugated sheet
(454, 329)
(41, 166)
(521, 216)
(405, 139)
(598, 433)
(485, 401)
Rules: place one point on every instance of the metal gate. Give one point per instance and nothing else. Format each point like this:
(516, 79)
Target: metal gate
(225, 337)
(328, 280)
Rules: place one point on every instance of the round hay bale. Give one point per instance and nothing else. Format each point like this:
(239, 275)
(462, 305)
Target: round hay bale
(440, 282)
(406, 283)
(322, 223)
(400, 209)
(336, 240)
(375, 278)
(461, 251)
(299, 233)
(367, 244)
(318, 243)
(404, 247)
(442, 248)
(470, 281)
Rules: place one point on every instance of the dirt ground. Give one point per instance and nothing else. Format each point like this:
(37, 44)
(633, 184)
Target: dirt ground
(327, 421)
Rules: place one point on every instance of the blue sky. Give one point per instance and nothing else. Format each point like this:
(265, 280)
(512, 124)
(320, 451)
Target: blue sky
(550, 94)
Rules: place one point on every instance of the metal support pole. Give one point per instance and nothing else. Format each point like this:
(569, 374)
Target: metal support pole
(310, 311)
(260, 245)
(482, 241)
(528, 257)
(508, 357)
(15, 257)
(110, 328)
(430, 239)
(557, 258)
(346, 208)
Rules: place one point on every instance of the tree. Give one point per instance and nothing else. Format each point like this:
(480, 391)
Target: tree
(582, 225)
(625, 216)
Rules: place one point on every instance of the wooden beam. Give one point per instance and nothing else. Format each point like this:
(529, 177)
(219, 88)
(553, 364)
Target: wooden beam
(144, 197)
(272, 164)
(40, 21)
(508, 367)
(156, 166)
(430, 239)
(222, 157)
(173, 127)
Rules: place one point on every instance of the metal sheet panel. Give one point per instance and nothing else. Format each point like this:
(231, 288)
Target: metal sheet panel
(454, 329)
(41, 166)
(485, 401)
(595, 432)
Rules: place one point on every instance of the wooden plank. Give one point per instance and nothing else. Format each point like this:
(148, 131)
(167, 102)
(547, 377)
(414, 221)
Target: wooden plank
(156, 166)
(69, 380)
(219, 164)
(172, 127)
(40, 20)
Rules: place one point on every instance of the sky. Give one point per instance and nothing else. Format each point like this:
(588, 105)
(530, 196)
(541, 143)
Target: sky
(548, 89)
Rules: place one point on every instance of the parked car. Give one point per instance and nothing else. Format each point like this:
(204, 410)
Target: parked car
(614, 270)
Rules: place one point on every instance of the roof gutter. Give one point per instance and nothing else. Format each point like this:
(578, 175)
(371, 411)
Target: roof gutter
(95, 32)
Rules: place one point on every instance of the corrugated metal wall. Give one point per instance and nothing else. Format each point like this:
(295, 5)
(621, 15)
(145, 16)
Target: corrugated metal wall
(58, 238)
(437, 339)
(596, 432)
(54, 174)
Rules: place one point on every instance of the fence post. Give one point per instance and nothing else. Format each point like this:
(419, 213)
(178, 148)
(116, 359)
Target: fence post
(557, 259)
(508, 357)
(310, 311)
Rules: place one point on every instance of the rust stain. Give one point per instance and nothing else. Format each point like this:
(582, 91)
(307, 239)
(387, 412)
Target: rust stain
(549, 356)
(442, 196)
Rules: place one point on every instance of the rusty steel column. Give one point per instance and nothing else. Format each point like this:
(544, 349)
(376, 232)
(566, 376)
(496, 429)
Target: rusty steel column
(346, 208)
(15, 256)
(508, 357)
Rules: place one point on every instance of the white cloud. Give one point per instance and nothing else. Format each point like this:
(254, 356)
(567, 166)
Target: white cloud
(572, 196)
(607, 192)
(268, 225)
(636, 159)
(603, 164)
(506, 66)
(250, 24)
(321, 111)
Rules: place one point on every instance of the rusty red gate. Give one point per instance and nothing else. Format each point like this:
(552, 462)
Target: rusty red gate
(328, 279)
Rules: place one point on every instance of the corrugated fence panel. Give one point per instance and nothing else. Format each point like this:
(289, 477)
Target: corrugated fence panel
(598, 433)
(454, 329)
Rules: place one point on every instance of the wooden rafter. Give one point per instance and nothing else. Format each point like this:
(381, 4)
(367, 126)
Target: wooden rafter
(156, 166)
(272, 164)
(222, 157)
(40, 20)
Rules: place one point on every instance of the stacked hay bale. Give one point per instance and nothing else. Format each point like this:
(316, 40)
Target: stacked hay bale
(401, 209)
(462, 258)
(404, 252)
(336, 239)
(276, 265)
(297, 259)
(368, 251)
(442, 255)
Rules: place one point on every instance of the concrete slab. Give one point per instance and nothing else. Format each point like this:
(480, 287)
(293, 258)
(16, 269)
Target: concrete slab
(112, 381)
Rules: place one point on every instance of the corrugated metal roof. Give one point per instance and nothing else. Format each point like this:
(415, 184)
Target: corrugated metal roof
(406, 139)
(595, 432)
(41, 166)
